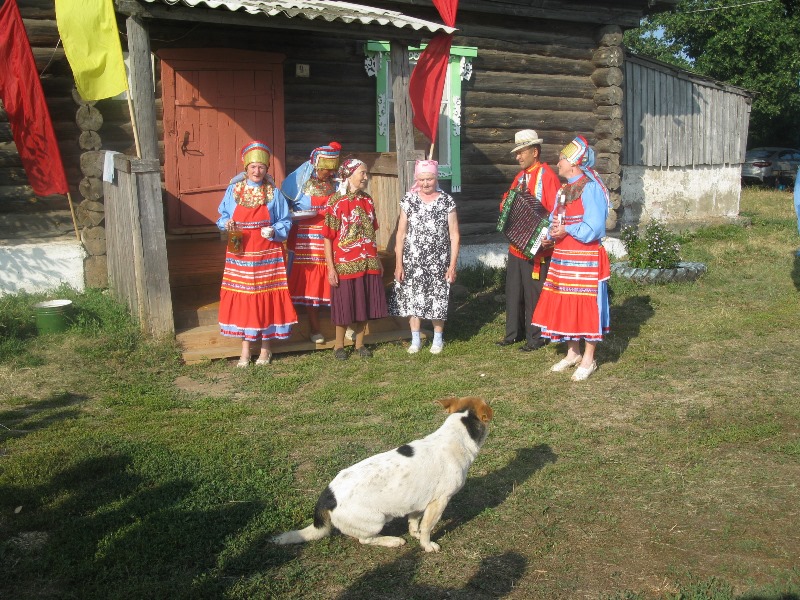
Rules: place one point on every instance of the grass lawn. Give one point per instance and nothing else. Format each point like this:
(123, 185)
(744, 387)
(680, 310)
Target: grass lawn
(672, 473)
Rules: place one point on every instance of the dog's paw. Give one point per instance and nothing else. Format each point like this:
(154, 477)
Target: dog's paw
(388, 541)
(431, 547)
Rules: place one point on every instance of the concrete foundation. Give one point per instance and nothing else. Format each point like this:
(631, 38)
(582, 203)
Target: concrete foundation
(680, 194)
(41, 266)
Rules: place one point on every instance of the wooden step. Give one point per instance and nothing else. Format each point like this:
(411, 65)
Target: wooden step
(205, 342)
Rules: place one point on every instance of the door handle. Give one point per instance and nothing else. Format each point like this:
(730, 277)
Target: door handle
(185, 142)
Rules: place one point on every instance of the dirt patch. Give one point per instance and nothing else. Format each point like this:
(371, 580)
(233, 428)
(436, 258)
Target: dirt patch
(220, 385)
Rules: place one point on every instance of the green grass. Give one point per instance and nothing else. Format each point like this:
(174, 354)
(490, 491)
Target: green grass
(672, 473)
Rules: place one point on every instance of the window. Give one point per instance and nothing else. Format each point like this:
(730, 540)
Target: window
(447, 150)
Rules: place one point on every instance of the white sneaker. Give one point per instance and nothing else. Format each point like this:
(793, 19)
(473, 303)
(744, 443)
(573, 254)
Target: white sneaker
(437, 348)
(318, 338)
(350, 334)
(414, 348)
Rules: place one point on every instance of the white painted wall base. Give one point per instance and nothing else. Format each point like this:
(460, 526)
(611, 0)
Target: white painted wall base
(680, 194)
(41, 266)
(494, 255)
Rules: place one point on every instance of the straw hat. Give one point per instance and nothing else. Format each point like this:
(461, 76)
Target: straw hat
(525, 138)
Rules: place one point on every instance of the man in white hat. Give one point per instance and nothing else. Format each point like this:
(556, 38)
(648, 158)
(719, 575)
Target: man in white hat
(525, 276)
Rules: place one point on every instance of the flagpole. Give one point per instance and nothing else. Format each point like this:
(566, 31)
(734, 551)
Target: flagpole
(74, 220)
(133, 123)
(430, 152)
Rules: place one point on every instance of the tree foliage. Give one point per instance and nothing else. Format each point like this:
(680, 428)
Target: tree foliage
(752, 45)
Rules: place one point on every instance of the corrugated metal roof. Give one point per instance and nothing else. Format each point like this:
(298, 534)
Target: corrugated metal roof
(328, 10)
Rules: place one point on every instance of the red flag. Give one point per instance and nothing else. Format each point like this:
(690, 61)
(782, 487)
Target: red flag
(23, 99)
(447, 9)
(426, 84)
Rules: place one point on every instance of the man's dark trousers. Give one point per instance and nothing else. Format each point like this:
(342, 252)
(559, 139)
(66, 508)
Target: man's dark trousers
(522, 294)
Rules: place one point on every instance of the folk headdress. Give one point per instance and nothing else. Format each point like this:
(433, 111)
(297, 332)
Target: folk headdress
(579, 153)
(256, 152)
(326, 157)
(348, 167)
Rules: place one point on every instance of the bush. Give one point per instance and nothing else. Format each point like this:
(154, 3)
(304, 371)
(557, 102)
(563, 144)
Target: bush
(657, 248)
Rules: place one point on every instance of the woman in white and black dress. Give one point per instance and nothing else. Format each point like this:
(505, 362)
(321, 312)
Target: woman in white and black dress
(426, 254)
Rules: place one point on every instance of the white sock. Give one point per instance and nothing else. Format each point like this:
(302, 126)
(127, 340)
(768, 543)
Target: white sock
(438, 338)
(415, 341)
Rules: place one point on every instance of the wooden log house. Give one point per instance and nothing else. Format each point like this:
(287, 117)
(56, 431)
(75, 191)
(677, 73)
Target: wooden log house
(548, 65)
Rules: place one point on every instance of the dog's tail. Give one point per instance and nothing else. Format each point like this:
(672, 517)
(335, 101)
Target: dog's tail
(319, 529)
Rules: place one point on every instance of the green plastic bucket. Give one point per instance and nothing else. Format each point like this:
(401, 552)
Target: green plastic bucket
(52, 316)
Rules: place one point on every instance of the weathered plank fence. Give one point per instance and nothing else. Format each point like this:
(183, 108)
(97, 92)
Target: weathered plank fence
(138, 271)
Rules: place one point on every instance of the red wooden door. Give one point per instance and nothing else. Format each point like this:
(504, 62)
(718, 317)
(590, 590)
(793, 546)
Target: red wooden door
(214, 103)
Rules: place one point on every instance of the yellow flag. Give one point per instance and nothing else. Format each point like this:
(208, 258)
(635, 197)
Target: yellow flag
(89, 34)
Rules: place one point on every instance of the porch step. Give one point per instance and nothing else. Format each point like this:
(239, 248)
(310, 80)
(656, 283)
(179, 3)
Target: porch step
(204, 342)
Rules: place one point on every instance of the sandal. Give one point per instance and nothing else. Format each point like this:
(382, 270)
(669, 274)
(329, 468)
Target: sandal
(243, 363)
(264, 361)
(565, 363)
(340, 354)
(364, 352)
(583, 373)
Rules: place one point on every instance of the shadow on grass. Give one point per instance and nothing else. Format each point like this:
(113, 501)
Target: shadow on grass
(112, 533)
(38, 414)
(626, 323)
(470, 315)
(796, 272)
(495, 578)
(491, 490)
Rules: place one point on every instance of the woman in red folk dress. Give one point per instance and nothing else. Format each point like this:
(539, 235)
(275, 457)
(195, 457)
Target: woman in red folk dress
(574, 301)
(351, 252)
(308, 189)
(254, 299)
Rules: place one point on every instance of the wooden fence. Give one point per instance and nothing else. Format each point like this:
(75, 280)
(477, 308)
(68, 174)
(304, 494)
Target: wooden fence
(674, 118)
(138, 272)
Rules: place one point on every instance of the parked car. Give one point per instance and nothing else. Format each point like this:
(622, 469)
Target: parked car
(771, 166)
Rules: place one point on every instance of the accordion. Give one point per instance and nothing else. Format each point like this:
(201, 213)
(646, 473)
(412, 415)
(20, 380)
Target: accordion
(524, 221)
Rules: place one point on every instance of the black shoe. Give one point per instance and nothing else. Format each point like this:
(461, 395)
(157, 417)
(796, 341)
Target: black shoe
(529, 348)
(503, 343)
(364, 352)
(340, 354)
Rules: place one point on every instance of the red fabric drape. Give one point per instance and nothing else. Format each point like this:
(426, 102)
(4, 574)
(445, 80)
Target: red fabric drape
(447, 9)
(25, 106)
(426, 83)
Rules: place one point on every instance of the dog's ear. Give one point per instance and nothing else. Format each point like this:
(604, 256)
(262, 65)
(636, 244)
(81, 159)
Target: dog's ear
(449, 404)
(485, 413)
(477, 405)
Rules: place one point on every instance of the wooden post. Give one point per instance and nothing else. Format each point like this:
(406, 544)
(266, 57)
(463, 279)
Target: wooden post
(141, 89)
(403, 116)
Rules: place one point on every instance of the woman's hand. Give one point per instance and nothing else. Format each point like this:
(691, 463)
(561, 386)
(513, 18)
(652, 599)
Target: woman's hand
(333, 276)
(451, 275)
(557, 231)
(230, 225)
(399, 273)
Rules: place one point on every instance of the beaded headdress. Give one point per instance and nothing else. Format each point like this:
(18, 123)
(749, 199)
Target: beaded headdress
(256, 151)
(326, 157)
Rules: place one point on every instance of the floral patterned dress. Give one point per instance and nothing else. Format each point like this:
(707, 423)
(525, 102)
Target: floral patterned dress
(424, 292)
